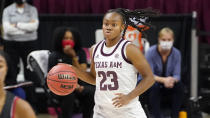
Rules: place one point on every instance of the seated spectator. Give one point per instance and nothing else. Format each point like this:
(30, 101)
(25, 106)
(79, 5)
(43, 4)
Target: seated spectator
(165, 61)
(66, 48)
(10, 105)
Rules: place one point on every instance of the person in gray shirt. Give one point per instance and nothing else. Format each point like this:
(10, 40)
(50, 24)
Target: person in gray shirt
(20, 23)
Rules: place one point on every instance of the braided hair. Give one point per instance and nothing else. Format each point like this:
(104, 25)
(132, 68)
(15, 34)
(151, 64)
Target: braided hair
(135, 17)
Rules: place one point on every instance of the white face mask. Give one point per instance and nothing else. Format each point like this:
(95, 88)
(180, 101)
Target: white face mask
(20, 10)
(166, 45)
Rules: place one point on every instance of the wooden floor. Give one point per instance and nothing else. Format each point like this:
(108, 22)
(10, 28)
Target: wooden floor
(48, 116)
(44, 116)
(205, 115)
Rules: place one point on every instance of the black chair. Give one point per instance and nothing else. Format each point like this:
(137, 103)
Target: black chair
(37, 62)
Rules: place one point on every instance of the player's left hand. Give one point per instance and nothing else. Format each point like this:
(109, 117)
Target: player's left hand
(120, 100)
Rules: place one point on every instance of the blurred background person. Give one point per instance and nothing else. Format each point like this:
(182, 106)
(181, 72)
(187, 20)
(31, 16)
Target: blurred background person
(10, 105)
(165, 61)
(20, 24)
(66, 48)
(18, 91)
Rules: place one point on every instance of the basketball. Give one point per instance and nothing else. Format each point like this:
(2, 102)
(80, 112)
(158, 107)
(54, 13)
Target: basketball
(62, 79)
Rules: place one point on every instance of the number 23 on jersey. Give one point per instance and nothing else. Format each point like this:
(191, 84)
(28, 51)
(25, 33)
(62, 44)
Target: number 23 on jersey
(112, 75)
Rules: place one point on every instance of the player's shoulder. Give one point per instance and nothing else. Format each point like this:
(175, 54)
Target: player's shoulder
(96, 45)
(123, 41)
(130, 46)
(22, 105)
(131, 49)
(23, 108)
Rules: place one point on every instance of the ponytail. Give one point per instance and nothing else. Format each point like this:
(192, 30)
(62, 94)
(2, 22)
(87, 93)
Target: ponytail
(136, 17)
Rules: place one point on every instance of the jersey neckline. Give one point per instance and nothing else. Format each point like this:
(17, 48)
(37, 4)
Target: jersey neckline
(109, 54)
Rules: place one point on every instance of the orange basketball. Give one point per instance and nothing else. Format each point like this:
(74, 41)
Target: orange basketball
(62, 79)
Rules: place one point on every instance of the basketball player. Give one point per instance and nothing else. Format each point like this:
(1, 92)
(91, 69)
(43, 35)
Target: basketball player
(114, 66)
(10, 105)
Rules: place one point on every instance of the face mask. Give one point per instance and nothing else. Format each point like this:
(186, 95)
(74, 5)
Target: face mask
(68, 42)
(166, 45)
(19, 2)
(20, 10)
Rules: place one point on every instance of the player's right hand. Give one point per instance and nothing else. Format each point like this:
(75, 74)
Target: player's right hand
(120, 100)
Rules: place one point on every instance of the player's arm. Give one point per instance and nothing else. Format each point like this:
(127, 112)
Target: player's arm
(138, 60)
(23, 110)
(89, 77)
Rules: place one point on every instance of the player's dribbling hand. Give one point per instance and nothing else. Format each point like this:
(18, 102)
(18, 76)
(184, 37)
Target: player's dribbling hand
(120, 100)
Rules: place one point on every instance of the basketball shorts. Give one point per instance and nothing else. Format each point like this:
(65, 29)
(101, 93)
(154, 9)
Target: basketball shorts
(108, 112)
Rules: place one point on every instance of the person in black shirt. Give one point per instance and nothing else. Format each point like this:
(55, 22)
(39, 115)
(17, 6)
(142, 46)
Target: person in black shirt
(66, 48)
